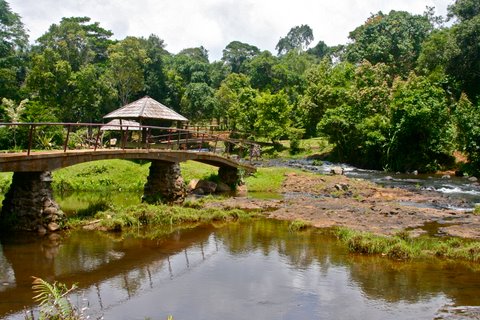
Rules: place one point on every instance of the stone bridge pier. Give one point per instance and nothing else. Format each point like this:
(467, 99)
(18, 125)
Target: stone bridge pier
(164, 183)
(29, 204)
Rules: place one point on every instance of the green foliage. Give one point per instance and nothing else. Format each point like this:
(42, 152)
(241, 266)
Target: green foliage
(298, 37)
(53, 301)
(236, 53)
(467, 117)
(394, 39)
(422, 131)
(127, 60)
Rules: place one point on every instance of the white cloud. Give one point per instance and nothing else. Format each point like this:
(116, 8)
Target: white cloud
(214, 23)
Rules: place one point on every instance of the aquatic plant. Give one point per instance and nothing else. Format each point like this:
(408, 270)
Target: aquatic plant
(297, 225)
(54, 303)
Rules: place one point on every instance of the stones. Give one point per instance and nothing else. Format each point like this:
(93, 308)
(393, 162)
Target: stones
(29, 204)
(201, 187)
(336, 170)
(473, 179)
(164, 183)
(342, 186)
(52, 226)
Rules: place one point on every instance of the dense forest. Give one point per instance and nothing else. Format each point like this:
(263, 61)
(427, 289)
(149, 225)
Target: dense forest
(402, 94)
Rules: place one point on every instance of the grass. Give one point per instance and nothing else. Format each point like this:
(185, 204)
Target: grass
(267, 179)
(121, 175)
(307, 147)
(401, 246)
(118, 218)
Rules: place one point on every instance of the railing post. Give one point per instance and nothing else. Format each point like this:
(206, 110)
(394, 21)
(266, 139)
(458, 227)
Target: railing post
(30, 138)
(65, 144)
(186, 140)
(178, 140)
(124, 140)
(216, 141)
(169, 139)
(149, 132)
(96, 140)
(201, 143)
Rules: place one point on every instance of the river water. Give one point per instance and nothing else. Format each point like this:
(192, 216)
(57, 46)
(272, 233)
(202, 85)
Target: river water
(245, 270)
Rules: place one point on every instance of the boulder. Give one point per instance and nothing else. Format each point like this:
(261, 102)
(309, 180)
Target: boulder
(192, 185)
(207, 186)
(336, 170)
(473, 179)
(223, 187)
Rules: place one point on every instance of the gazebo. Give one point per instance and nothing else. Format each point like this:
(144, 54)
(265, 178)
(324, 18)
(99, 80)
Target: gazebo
(145, 111)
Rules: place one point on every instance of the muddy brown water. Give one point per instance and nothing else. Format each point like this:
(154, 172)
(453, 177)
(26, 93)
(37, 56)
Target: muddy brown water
(244, 270)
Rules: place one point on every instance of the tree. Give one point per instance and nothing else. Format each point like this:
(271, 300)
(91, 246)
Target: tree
(394, 39)
(464, 10)
(467, 119)
(260, 71)
(326, 87)
(320, 50)
(422, 130)
(155, 77)
(77, 41)
(12, 32)
(236, 53)
(13, 46)
(127, 60)
(298, 37)
(464, 62)
(236, 103)
(198, 103)
(274, 119)
(49, 81)
(359, 124)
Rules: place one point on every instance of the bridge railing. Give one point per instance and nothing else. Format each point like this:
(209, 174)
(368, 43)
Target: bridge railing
(41, 136)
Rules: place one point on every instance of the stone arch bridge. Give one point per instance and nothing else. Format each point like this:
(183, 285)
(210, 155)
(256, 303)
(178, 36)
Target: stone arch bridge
(29, 203)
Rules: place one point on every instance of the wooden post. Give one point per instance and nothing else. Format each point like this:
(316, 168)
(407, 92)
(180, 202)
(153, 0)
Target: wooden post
(30, 138)
(65, 145)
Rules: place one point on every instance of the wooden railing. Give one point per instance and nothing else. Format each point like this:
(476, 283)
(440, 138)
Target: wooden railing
(40, 136)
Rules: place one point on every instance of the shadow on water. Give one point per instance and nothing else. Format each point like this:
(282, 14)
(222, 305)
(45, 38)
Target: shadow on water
(259, 268)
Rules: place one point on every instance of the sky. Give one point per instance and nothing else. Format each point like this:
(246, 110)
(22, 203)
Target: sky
(215, 23)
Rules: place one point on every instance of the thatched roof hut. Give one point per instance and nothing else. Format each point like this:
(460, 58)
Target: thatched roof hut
(145, 108)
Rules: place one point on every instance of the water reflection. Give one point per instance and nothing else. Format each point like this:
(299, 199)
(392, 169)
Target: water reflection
(233, 271)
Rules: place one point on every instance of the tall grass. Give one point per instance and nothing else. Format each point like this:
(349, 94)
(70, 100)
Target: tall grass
(117, 219)
(402, 246)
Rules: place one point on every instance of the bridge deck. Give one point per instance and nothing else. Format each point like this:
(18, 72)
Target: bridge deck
(55, 159)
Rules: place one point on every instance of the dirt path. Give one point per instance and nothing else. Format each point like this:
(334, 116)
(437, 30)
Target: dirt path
(335, 200)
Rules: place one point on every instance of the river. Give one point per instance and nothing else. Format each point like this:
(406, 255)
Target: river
(250, 270)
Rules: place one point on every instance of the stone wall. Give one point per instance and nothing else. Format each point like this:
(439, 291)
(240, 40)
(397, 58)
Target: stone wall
(164, 183)
(29, 204)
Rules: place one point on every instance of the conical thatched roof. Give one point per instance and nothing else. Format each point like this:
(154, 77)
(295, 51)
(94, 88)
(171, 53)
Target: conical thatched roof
(145, 108)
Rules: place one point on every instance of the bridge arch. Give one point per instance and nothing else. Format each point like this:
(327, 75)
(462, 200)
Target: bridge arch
(30, 204)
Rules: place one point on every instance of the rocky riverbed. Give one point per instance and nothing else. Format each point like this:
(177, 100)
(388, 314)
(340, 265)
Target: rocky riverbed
(336, 200)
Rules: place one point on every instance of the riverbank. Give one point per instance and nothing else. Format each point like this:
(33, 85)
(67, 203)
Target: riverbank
(326, 201)
(329, 202)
